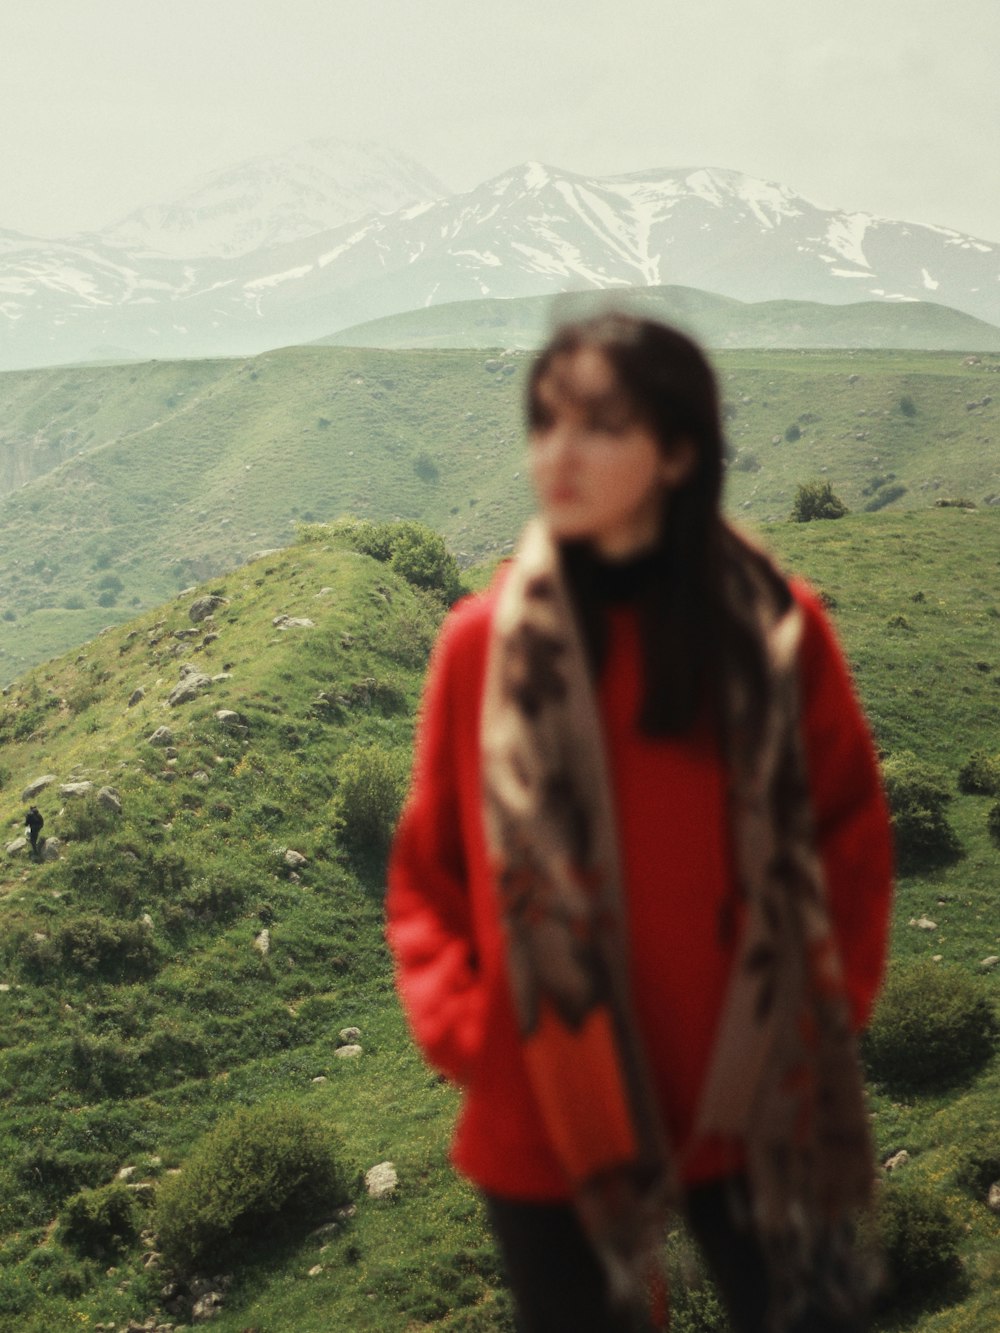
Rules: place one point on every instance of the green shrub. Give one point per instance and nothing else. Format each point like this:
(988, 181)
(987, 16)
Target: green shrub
(422, 558)
(919, 1241)
(993, 823)
(907, 406)
(918, 793)
(414, 550)
(979, 1165)
(371, 785)
(980, 774)
(259, 1173)
(99, 1222)
(94, 946)
(816, 499)
(932, 1025)
(52, 1174)
(793, 432)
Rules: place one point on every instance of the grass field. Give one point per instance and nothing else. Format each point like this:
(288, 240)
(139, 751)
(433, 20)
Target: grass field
(128, 1038)
(174, 472)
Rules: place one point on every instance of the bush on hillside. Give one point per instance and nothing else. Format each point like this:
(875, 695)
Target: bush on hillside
(262, 1172)
(919, 1239)
(816, 499)
(993, 824)
(99, 1222)
(371, 785)
(931, 1026)
(980, 774)
(979, 1166)
(422, 558)
(95, 946)
(414, 550)
(918, 793)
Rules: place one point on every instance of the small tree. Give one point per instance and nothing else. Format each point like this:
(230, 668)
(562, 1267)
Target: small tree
(980, 774)
(918, 793)
(932, 1025)
(261, 1172)
(816, 499)
(371, 785)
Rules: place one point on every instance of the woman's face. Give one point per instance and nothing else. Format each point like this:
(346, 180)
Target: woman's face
(599, 471)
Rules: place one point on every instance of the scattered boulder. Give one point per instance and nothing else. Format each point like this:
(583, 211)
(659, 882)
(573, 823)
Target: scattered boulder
(190, 686)
(110, 799)
(293, 622)
(923, 923)
(16, 847)
(988, 964)
(262, 943)
(347, 1052)
(381, 1181)
(294, 859)
(161, 736)
(37, 785)
(69, 790)
(348, 1035)
(993, 1198)
(897, 1160)
(199, 775)
(50, 848)
(137, 696)
(231, 721)
(203, 607)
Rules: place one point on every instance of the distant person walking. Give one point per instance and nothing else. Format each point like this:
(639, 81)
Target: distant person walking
(35, 823)
(639, 894)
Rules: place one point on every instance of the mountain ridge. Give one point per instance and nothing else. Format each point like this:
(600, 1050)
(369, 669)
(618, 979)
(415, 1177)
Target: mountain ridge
(532, 230)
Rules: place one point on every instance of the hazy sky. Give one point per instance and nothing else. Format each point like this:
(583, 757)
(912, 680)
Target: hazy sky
(890, 106)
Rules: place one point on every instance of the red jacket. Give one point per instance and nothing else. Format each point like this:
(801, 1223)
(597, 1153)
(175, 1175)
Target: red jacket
(445, 931)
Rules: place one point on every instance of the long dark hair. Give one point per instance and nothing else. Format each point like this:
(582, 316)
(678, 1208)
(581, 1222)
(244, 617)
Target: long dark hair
(686, 634)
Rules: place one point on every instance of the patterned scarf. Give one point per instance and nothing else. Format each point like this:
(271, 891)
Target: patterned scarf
(784, 1076)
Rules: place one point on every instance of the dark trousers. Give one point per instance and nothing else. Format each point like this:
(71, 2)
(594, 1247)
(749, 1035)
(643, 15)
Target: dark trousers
(558, 1284)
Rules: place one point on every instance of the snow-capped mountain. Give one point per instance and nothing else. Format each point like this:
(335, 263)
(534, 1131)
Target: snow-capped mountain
(267, 201)
(529, 231)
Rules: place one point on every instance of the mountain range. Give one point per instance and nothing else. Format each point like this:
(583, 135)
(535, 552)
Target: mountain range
(268, 255)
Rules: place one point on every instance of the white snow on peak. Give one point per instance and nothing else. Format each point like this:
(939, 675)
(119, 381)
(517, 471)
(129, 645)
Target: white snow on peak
(535, 176)
(267, 201)
(930, 283)
(845, 235)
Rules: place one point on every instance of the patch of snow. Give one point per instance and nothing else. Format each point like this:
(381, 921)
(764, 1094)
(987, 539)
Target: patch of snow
(850, 273)
(276, 279)
(484, 256)
(930, 283)
(846, 234)
(338, 250)
(535, 176)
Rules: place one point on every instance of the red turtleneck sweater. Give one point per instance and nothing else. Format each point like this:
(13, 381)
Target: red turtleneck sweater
(444, 928)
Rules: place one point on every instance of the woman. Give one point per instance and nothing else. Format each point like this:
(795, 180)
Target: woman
(639, 893)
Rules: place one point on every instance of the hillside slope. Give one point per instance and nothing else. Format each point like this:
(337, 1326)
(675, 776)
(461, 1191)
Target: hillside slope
(141, 1002)
(718, 321)
(179, 470)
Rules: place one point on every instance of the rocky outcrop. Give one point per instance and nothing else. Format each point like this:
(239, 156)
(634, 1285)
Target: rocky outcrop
(206, 606)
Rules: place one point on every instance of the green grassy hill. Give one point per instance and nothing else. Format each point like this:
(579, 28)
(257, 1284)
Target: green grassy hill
(718, 321)
(141, 1005)
(186, 469)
